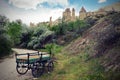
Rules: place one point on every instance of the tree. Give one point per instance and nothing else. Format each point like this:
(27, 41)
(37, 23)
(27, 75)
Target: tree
(5, 42)
(60, 29)
(70, 26)
(40, 36)
(25, 36)
(14, 30)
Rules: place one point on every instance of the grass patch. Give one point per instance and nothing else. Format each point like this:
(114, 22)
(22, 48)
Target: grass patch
(69, 68)
(75, 67)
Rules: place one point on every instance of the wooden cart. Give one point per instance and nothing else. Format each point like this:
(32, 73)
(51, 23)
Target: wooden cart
(36, 62)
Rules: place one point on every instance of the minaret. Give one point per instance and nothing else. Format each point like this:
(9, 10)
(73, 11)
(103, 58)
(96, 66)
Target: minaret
(50, 23)
(73, 14)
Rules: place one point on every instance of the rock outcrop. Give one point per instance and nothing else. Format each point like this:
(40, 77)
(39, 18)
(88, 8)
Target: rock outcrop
(101, 41)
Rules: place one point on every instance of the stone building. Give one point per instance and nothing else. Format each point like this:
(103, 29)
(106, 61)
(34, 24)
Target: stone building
(82, 13)
(73, 18)
(32, 24)
(67, 15)
(50, 23)
(70, 16)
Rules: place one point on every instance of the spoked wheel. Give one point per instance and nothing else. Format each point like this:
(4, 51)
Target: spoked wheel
(50, 66)
(22, 68)
(37, 69)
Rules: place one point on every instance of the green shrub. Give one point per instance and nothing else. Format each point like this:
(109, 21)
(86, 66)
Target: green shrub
(53, 48)
(5, 41)
(25, 37)
(5, 45)
(49, 48)
(41, 35)
(32, 43)
(65, 32)
(14, 30)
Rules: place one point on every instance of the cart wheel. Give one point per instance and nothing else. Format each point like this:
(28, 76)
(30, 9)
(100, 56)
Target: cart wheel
(50, 66)
(22, 68)
(37, 69)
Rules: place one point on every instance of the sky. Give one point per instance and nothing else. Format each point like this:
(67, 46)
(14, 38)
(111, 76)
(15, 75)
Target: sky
(36, 11)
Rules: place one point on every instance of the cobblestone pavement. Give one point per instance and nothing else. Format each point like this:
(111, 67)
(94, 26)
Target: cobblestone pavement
(8, 68)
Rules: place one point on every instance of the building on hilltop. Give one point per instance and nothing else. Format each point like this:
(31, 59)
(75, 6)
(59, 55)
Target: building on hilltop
(70, 16)
(82, 13)
(32, 24)
(73, 15)
(67, 15)
(50, 23)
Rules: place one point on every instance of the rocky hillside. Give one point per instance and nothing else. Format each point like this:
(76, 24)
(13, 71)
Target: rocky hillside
(101, 41)
(115, 6)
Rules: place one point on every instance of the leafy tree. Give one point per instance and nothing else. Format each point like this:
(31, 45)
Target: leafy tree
(14, 30)
(68, 31)
(49, 48)
(25, 36)
(59, 29)
(71, 26)
(5, 42)
(40, 36)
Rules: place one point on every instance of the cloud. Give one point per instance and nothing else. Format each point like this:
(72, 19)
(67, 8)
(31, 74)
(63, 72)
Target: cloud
(102, 1)
(32, 4)
(35, 16)
(27, 4)
(40, 14)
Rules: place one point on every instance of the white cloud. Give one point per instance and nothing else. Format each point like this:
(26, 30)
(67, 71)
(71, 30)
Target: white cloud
(32, 4)
(41, 15)
(38, 15)
(27, 4)
(101, 1)
(56, 2)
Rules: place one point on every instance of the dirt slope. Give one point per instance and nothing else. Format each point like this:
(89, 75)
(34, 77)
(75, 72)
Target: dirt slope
(115, 6)
(101, 41)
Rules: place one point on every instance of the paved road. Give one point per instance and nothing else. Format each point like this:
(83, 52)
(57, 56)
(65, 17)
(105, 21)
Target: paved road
(8, 68)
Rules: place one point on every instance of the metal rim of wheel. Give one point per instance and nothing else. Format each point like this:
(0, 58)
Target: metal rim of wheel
(50, 66)
(37, 69)
(22, 68)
